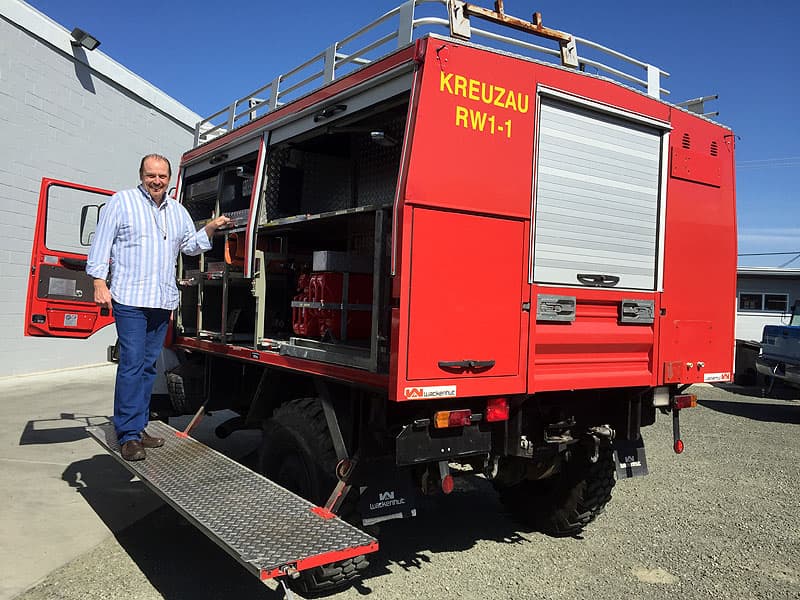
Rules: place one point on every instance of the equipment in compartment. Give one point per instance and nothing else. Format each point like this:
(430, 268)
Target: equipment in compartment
(334, 302)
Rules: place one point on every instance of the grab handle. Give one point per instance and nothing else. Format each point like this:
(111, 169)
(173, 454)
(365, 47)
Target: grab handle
(598, 279)
(461, 365)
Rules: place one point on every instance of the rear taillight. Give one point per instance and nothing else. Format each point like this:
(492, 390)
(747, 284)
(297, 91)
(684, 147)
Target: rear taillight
(452, 418)
(682, 401)
(497, 409)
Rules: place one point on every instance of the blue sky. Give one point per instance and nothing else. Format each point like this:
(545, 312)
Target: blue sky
(207, 54)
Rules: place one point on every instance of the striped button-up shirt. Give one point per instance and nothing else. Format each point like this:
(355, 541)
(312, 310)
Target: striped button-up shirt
(139, 242)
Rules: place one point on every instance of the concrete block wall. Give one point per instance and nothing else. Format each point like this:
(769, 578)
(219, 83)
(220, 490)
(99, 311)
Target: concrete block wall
(61, 118)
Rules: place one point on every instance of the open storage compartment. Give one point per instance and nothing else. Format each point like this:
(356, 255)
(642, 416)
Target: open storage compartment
(320, 287)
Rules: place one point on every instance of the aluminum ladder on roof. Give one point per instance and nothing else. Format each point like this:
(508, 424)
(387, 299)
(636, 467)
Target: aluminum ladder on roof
(266, 528)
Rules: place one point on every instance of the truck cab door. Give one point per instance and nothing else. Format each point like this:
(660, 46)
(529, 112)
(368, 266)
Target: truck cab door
(60, 299)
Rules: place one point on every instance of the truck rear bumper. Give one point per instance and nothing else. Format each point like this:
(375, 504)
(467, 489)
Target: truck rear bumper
(778, 369)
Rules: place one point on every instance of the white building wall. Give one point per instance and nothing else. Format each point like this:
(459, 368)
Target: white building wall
(750, 324)
(75, 116)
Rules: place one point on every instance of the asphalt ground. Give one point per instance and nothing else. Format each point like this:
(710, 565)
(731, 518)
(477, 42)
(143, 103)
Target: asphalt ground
(719, 521)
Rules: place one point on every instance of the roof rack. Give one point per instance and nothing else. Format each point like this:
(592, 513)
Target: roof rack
(413, 19)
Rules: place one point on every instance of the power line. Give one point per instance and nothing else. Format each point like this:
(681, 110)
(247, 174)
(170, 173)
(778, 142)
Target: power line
(769, 253)
(790, 261)
(760, 160)
(764, 163)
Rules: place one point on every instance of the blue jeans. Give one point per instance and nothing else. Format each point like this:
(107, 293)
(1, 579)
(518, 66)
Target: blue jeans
(141, 333)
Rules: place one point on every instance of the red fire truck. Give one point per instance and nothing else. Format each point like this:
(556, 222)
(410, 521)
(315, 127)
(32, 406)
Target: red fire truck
(444, 255)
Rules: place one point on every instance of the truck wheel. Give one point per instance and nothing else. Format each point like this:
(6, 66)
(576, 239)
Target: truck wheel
(185, 387)
(297, 453)
(562, 505)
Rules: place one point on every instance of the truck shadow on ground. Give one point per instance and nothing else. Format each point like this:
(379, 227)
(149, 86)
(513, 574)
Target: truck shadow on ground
(181, 562)
(777, 391)
(758, 411)
(68, 427)
(176, 558)
(444, 524)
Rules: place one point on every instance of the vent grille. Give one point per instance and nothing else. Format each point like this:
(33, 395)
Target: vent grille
(714, 148)
(686, 141)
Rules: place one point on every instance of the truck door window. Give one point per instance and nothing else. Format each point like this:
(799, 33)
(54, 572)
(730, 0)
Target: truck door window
(795, 314)
(71, 218)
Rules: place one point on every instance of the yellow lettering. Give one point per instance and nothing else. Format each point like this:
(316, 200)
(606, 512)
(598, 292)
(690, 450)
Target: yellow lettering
(461, 116)
(444, 82)
(473, 89)
(484, 88)
(477, 119)
(498, 101)
(520, 98)
(512, 101)
(461, 86)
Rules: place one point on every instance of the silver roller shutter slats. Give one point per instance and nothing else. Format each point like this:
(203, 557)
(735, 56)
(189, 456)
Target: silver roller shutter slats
(597, 197)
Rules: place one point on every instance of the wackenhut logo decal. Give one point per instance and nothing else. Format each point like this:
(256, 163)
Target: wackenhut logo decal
(433, 391)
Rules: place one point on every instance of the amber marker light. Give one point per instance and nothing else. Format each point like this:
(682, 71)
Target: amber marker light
(451, 418)
(682, 401)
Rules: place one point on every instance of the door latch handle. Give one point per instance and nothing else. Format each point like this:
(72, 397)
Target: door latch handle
(462, 365)
(598, 279)
(73, 263)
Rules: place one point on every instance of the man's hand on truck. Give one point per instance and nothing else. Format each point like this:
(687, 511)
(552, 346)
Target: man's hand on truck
(216, 223)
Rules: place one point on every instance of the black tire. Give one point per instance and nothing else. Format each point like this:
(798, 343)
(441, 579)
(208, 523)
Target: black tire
(564, 504)
(297, 453)
(185, 386)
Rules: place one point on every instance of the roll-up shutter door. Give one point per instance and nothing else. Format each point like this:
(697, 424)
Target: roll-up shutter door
(597, 198)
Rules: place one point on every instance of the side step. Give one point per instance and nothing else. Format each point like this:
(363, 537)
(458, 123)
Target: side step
(268, 529)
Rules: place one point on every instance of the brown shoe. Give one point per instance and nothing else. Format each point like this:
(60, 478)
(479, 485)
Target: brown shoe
(133, 450)
(148, 441)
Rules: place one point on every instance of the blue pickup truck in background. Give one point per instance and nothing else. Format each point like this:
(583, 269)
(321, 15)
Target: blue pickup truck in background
(779, 358)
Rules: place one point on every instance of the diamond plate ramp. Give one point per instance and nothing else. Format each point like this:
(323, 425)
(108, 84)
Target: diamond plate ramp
(268, 529)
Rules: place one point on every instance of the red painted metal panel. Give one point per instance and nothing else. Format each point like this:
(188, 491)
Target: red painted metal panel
(58, 318)
(595, 350)
(473, 133)
(462, 300)
(699, 297)
(466, 297)
(694, 165)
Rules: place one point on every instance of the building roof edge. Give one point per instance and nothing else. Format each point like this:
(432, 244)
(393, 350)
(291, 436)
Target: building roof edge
(40, 25)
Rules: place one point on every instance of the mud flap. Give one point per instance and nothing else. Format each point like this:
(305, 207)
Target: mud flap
(630, 458)
(387, 497)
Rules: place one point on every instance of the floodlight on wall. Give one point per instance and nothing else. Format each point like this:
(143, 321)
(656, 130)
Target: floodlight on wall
(81, 38)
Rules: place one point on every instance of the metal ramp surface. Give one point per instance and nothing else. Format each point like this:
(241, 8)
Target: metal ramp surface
(268, 529)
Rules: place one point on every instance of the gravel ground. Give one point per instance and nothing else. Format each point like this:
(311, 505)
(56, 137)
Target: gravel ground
(719, 521)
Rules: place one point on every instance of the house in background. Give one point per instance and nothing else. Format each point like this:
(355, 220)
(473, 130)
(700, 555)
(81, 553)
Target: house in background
(764, 296)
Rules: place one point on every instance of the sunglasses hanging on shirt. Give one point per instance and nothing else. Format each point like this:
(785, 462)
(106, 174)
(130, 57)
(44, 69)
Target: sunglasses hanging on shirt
(163, 231)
